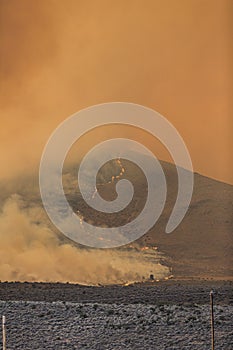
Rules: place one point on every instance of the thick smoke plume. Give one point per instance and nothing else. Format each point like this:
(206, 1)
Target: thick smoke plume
(31, 251)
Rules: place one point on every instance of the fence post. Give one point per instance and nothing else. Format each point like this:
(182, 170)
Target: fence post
(3, 332)
(212, 317)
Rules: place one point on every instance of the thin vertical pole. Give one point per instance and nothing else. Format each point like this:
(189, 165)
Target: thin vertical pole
(3, 332)
(212, 317)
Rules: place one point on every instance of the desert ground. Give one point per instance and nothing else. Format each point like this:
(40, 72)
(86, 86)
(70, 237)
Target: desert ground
(171, 314)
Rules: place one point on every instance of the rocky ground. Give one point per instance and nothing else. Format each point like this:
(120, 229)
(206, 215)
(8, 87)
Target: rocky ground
(165, 315)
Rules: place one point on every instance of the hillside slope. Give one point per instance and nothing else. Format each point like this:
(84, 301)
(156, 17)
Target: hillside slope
(201, 246)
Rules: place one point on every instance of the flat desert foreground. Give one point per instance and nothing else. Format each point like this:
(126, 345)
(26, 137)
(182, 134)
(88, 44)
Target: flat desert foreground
(172, 314)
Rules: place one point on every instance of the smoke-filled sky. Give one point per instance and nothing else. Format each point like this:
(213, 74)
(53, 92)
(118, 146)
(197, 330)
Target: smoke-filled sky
(58, 57)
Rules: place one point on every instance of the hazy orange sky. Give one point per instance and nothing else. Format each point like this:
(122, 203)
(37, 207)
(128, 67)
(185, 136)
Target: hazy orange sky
(58, 57)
